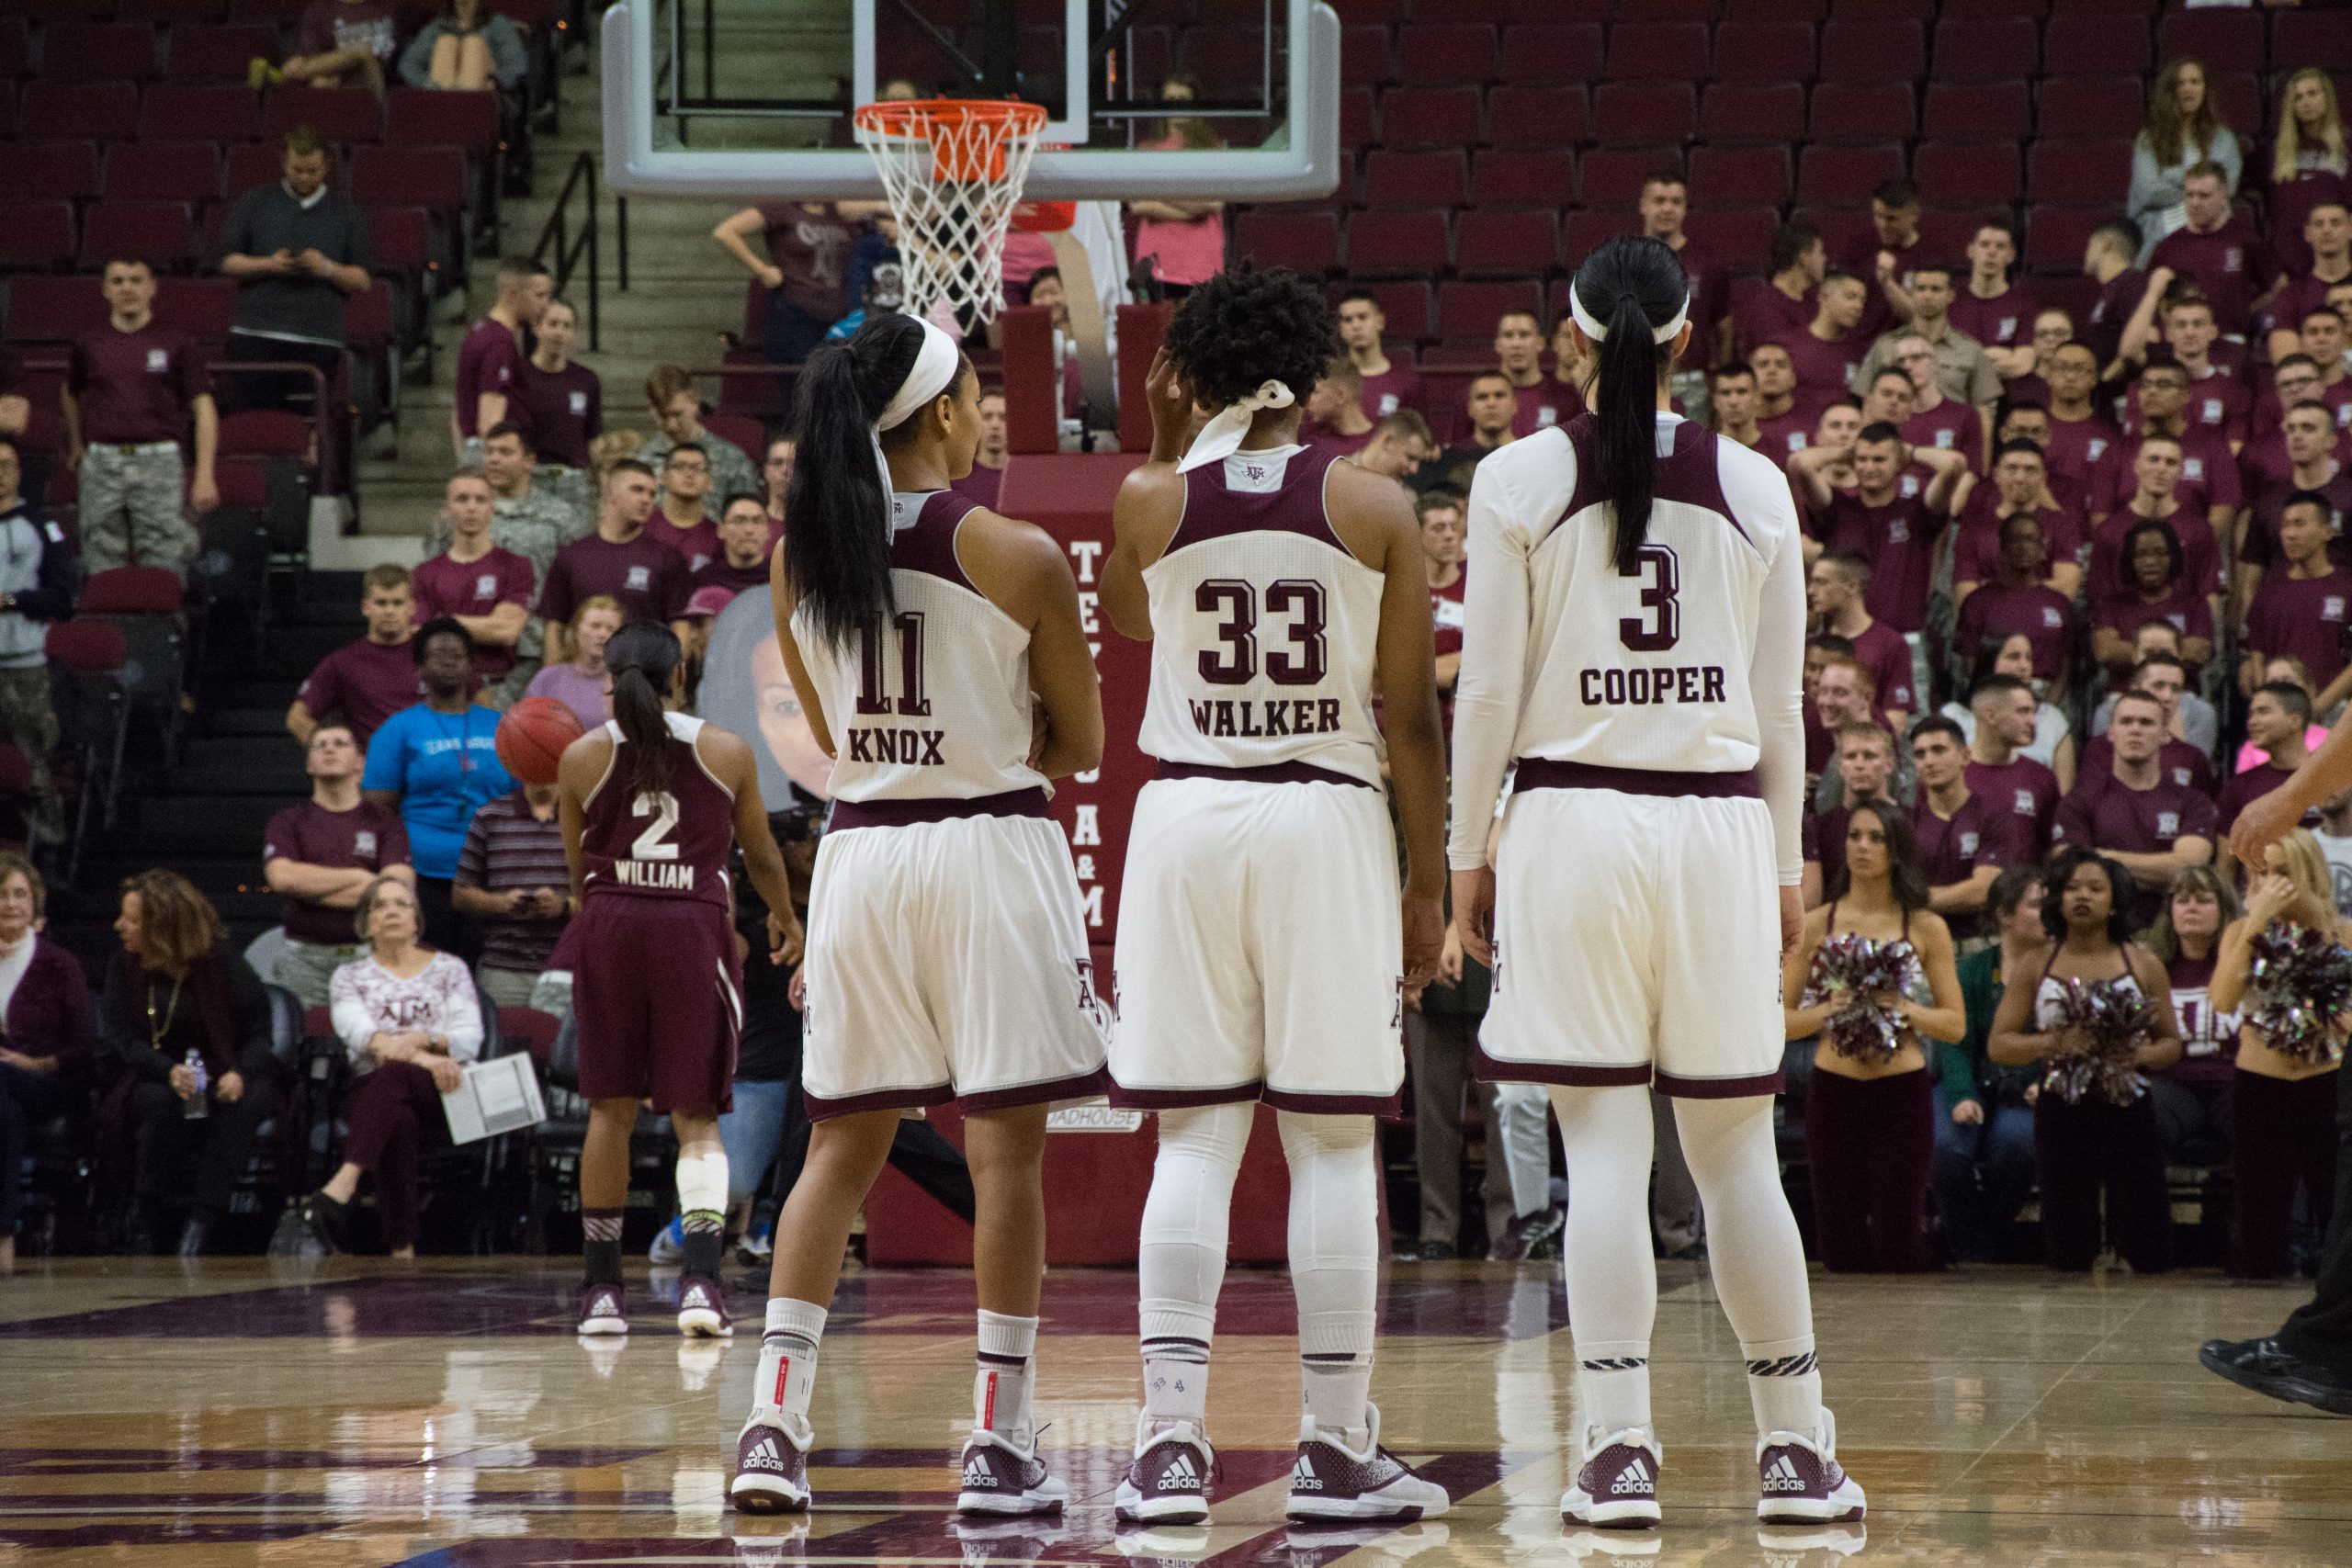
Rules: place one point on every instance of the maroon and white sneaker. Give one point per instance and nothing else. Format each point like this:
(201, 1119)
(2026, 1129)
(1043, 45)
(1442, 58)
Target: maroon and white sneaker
(1332, 1481)
(1167, 1483)
(603, 1310)
(1616, 1488)
(702, 1308)
(771, 1470)
(1802, 1481)
(1003, 1480)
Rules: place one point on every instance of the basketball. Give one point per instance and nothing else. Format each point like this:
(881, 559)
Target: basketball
(532, 736)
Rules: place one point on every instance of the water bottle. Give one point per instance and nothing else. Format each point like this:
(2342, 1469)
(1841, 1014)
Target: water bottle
(198, 1105)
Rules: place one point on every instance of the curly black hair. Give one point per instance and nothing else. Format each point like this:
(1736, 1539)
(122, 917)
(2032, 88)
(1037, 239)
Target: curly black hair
(1248, 325)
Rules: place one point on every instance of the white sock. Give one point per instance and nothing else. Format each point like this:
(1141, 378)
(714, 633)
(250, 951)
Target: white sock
(1611, 1275)
(1008, 1372)
(1334, 1266)
(1784, 1386)
(787, 1375)
(1613, 1384)
(1179, 1266)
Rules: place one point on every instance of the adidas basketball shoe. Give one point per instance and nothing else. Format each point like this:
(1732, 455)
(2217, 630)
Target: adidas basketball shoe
(1802, 1481)
(1167, 1483)
(1330, 1481)
(771, 1469)
(1616, 1487)
(1001, 1479)
(602, 1310)
(702, 1309)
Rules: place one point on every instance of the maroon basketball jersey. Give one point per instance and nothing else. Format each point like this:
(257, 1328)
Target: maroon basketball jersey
(671, 844)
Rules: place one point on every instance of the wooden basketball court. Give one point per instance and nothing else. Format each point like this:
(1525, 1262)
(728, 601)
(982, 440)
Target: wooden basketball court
(361, 1413)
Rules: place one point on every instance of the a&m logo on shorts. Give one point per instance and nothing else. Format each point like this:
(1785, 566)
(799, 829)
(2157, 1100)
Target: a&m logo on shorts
(639, 578)
(2168, 823)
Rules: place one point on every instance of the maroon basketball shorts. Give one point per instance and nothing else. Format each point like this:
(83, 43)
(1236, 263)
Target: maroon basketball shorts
(655, 996)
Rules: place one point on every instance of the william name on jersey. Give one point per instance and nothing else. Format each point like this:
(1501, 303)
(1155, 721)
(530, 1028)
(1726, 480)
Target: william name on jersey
(668, 875)
(914, 748)
(1640, 686)
(1257, 721)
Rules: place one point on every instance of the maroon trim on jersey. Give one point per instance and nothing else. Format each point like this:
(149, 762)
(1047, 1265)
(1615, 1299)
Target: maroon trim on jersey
(1387, 1107)
(1544, 772)
(1183, 1099)
(848, 814)
(930, 545)
(922, 1095)
(1212, 510)
(1688, 474)
(1082, 1086)
(1719, 1088)
(1495, 1069)
(1269, 773)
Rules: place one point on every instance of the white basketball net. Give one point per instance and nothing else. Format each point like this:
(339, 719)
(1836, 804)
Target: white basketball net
(952, 172)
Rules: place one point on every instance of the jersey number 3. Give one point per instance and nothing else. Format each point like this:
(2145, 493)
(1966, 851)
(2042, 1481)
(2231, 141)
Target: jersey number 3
(1659, 626)
(1303, 664)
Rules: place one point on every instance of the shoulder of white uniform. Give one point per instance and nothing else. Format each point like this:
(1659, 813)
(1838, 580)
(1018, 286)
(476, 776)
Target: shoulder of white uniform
(1525, 461)
(1755, 487)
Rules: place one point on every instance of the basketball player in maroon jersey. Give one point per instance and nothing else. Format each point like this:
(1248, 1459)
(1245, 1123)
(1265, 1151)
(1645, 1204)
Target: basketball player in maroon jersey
(653, 803)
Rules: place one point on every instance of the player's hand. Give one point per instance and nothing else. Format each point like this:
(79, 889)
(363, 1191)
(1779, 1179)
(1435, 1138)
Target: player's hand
(797, 987)
(1968, 1113)
(1792, 919)
(1474, 912)
(2261, 824)
(1039, 730)
(783, 937)
(1171, 401)
(1449, 960)
(1424, 939)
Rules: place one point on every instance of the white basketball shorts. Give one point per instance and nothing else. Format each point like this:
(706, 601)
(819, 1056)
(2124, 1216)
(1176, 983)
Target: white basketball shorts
(948, 959)
(1259, 945)
(1635, 935)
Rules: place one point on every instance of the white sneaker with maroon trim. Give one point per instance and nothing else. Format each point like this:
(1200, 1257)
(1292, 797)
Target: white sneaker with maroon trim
(603, 1310)
(1333, 1481)
(1003, 1480)
(1616, 1487)
(1801, 1480)
(771, 1469)
(702, 1308)
(1169, 1480)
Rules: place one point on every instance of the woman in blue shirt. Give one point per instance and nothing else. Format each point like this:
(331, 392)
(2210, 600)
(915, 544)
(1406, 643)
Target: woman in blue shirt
(434, 763)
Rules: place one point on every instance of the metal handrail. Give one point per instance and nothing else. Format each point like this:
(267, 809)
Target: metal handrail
(560, 253)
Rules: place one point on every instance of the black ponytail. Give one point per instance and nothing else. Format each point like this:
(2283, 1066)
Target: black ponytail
(1633, 286)
(642, 658)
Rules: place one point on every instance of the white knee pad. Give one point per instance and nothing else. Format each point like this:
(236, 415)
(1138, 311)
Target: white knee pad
(702, 1178)
(1334, 1231)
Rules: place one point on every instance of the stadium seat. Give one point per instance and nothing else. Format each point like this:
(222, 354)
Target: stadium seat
(1358, 125)
(1845, 176)
(2036, 8)
(1406, 243)
(1345, 194)
(163, 171)
(2238, 98)
(282, 11)
(265, 433)
(16, 48)
(1364, 56)
(2227, 41)
(2075, 44)
(423, 117)
(1538, 116)
(1657, 50)
(1506, 242)
(161, 234)
(1406, 304)
(1965, 173)
(2085, 172)
(1608, 176)
(53, 309)
(2055, 237)
(198, 53)
(408, 177)
(1588, 230)
(337, 114)
(1551, 53)
(1863, 111)
(1946, 231)
(1764, 52)
(1977, 111)
(1810, 11)
(1841, 228)
(1431, 116)
(203, 308)
(1751, 176)
(175, 112)
(1731, 233)
(53, 171)
(78, 109)
(1645, 112)
(1987, 49)
(1669, 10)
(1446, 52)
(1414, 179)
(171, 10)
(2091, 105)
(1873, 50)
(98, 51)
(1305, 242)
(252, 163)
(1467, 312)
(1751, 111)
(1880, 10)
(36, 235)
(2311, 38)
(1225, 54)
(1524, 179)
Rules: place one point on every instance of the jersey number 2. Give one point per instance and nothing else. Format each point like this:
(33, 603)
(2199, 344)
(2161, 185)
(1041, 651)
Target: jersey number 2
(1304, 664)
(1659, 628)
(871, 696)
(654, 842)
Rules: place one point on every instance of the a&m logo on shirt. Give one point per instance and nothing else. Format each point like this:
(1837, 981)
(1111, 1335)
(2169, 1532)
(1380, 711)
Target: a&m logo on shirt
(2234, 259)
(639, 578)
(486, 585)
(2213, 410)
(2180, 777)
(1387, 404)
(2168, 823)
(580, 403)
(1943, 440)
(2193, 470)
(1898, 531)
(1967, 845)
(1910, 491)
(2023, 805)
(2009, 328)
(2050, 619)
(1546, 417)
(159, 360)
(2332, 607)
(363, 842)
(2097, 448)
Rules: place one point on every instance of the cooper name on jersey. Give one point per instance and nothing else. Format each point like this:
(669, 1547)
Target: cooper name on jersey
(1246, 718)
(914, 748)
(1642, 685)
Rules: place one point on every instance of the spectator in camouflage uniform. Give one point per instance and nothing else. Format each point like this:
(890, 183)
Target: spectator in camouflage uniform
(677, 408)
(37, 581)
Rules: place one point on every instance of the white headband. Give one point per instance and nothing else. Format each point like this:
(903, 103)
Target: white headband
(1221, 436)
(936, 370)
(1600, 334)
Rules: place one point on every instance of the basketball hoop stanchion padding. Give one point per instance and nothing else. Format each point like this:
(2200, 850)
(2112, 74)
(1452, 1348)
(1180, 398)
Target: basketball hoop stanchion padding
(1141, 329)
(953, 170)
(1032, 400)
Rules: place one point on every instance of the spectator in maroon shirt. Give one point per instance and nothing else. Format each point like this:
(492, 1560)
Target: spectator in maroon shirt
(2300, 377)
(2328, 234)
(2016, 603)
(2302, 612)
(2007, 715)
(682, 520)
(322, 855)
(132, 389)
(1946, 425)
(491, 359)
(2156, 571)
(1782, 302)
(2146, 822)
(1335, 409)
(2218, 402)
(2313, 468)
(982, 485)
(2021, 488)
(2206, 482)
(2190, 725)
(1823, 355)
(2155, 465)
(1387, 386)
(1992, 307)
(365, 683)
(1889, 398)
(2217, 250)
(776, 465)
(2307, 162)
(648, 579)
(1400, 445)
(2110, 259)
(742, 563)
(1665, 204)
(483, 588)
(1835, 593)
(2080, 435)
(1782, 428)
(1731, 404)
(2029, 422)
(1866, 775)
(1887, 254)
(2275, 718)
(1964, 841)
(1963, 371)
(807, 272)
(561, 403)
(338, 43)
(1542, 401)
(1895, 533)
(1493, 405)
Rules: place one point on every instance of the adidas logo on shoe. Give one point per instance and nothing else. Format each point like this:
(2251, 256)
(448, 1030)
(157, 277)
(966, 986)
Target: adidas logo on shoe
(1303, 1477)
(1182, 1475)
(1782, 1476)
(1636, 1479)
(763, 1456)
(977, 1473)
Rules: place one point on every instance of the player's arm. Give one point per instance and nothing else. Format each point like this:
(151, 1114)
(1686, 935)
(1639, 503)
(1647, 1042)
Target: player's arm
(785, 598)
(1804, 1023)
(1488, 693)
(1150, 503)
(1775, 685)
(1024, 573)
(731, 760)
(336, 887)
(576, 775)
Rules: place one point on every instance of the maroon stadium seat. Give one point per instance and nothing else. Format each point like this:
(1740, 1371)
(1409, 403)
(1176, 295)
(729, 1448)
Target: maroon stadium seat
(1506, 242)
(1946, 231)
(2238, 98)
(1467, 312)
(36, 235)
(1358, 125)
(98, 51)
(1738, 235)
(1537, 117)
(1587, 231)
(2055, 236)
(161, 234)
(424, 116)
(1364, 55)
(1154, 56)
(1775, 10)
(203, 308)
(92, 110)
(2311, 38)
(1657, 50)
(1406, 304)
(1764, 52)
(1977, 111)
(1997, 7)
(1446, 52)
(1873, 50)
(16, 48)
(2086, 172)
(252, 163)
(1752, 176)
(1414, 179)
(1643, 112)
(171, 10)
(337, 114)
(266, 10)
(53, 310)
(1548, 54)
(1306, 242)
(263, 433)
(2075, 44)
(175, 112)
(1987, 49)
(1751, 111)
(2091, 105)
(1879, 10)
(408, 177)
(1611, 176)
(163, 171)
(1525, 179)
(2226, 41)
(1669, 10)
(1841, 228)
(1845, 176)
(1346, 193)
(1431, 116)
(53, 171)
(1369, 10)
(1408, 243)
(1866, 111)
(400, 239)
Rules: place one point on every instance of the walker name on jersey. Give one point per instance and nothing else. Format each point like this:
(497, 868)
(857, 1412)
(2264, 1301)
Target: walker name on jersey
(916, 748)
(1642, 687)
(1243, 719)
(667, 875)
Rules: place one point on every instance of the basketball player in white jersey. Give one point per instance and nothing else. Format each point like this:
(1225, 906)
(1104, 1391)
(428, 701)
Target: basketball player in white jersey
(947, 955)
(1634, 639)
(1263, 951)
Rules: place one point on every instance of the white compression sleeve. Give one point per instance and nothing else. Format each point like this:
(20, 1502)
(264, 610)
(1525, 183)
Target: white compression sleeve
(1180, 1264)
(1334, 1263)
(1488, 691)
(1611, 1275)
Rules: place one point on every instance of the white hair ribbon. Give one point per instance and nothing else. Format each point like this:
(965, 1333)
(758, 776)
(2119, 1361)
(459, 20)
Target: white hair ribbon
(935, 369)
(1600, 334)
(1221, 436)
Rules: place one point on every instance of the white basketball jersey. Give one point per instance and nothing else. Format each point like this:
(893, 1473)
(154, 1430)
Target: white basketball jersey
(1264, 628)
(932, 701)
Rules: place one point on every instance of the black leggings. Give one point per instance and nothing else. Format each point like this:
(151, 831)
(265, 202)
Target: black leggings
(2080, 1151)
(2284, 1132)
(1868, 1144)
